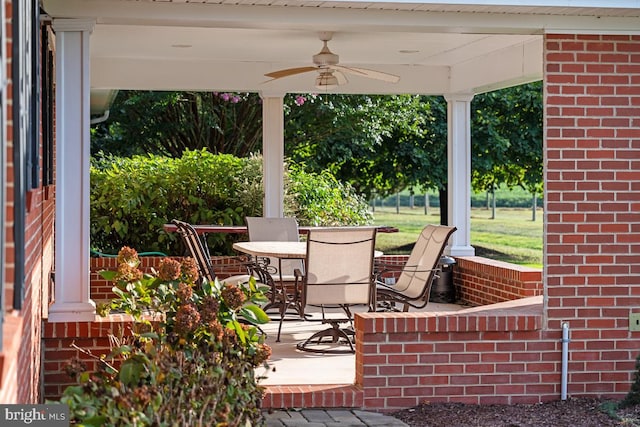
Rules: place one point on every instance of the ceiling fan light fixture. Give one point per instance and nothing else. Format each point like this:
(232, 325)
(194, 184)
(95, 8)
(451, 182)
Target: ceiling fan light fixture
(326, 81)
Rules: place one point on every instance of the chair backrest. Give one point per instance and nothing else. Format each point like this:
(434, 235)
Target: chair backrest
(421, 267)
(197, 248)
(339, 266)
(262, 229)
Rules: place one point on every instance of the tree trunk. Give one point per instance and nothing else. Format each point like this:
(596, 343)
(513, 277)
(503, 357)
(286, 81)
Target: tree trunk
(493, 203)
(444, 206)
(535, 206)
(398, 202)
(426, 203)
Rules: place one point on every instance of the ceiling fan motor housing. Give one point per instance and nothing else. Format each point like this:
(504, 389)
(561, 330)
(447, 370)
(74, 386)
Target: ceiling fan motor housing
(325, 57)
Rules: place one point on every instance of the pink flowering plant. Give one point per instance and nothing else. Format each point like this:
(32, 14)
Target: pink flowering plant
(190, 358)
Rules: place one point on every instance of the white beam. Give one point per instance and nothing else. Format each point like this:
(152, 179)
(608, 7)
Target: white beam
(72, 300)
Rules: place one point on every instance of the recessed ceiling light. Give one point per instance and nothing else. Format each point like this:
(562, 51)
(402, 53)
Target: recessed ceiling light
(182, 46)
(408, 51)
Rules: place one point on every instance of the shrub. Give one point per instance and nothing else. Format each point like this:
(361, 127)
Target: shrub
(633, 397)
(190, 360)
(322, 200)
(132, 198)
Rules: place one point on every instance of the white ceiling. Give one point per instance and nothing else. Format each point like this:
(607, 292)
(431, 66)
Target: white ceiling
(228, 45)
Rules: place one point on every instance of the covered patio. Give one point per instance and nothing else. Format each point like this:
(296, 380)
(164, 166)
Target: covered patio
(586, 53)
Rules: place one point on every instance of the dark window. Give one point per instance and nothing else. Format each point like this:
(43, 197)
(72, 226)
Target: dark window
(24, 75)
(46, 71)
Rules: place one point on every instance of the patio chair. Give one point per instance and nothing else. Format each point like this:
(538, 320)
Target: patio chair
(261, 229)
(417, 275)
(339, 274)
(199, 251)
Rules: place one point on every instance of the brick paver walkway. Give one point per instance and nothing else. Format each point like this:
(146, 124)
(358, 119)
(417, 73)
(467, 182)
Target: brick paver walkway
(329, 418)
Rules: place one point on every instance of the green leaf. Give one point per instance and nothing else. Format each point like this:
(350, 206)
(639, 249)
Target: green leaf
(254, 314)
(123, 349)
(108, 275)
(130, 372)
(152, 335)
(75, 390)
(96, 420)
(235, 325)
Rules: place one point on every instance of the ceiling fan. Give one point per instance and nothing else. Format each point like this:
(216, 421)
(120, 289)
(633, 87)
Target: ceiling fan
(330, 74)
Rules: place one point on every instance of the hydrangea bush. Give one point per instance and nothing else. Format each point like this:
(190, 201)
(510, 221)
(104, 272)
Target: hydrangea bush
(190, 359)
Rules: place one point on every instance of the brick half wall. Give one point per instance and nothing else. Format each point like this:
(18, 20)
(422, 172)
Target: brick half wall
(482, 281)
(481, 355)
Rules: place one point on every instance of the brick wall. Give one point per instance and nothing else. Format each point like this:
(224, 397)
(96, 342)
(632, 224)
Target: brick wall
(482, 281)
(91, 336)
(478, 280)
(58, 337)
(21, 351)
(481, 355)
(592, 211)
(101, 289)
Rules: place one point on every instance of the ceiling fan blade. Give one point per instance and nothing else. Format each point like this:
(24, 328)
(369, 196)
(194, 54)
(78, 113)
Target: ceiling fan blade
(289, 72)
(342, 79)
(363, 72)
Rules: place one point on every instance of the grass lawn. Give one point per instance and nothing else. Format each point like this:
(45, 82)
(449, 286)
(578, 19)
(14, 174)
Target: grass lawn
(511, 237)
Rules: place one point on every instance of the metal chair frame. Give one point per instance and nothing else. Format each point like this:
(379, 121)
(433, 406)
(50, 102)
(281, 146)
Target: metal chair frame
(416, 276)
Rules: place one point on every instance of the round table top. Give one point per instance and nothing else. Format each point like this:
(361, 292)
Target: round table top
(277, 249)
(273, 249)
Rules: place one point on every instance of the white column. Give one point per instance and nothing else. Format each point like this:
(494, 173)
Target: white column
(273, 154)
(459, 173)
(72, 300)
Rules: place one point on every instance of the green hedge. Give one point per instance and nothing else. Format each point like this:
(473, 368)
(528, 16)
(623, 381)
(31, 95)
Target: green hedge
(132, 198)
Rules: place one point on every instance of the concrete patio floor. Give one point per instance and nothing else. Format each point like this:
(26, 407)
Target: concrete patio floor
(290, 366)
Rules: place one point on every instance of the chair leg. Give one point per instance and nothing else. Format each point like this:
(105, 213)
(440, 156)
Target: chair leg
(335, 333)
(284, 306)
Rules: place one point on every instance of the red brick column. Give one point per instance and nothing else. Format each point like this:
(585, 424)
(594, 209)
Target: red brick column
(592, 211)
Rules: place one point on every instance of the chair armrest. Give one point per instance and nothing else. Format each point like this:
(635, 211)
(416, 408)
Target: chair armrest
(383, 268)
(398, 267)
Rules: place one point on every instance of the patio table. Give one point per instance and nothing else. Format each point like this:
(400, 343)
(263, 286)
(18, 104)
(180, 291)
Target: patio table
(277, 249)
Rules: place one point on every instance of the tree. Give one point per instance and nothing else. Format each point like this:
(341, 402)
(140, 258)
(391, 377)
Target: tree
(169, 123)
(378, 144)
(339, 133)
(506, 138)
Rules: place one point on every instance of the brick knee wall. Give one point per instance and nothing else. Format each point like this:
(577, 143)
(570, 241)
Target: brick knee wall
(482, 281)
(478, 280)
(101, 288)
(480, 355)
(91, 336)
